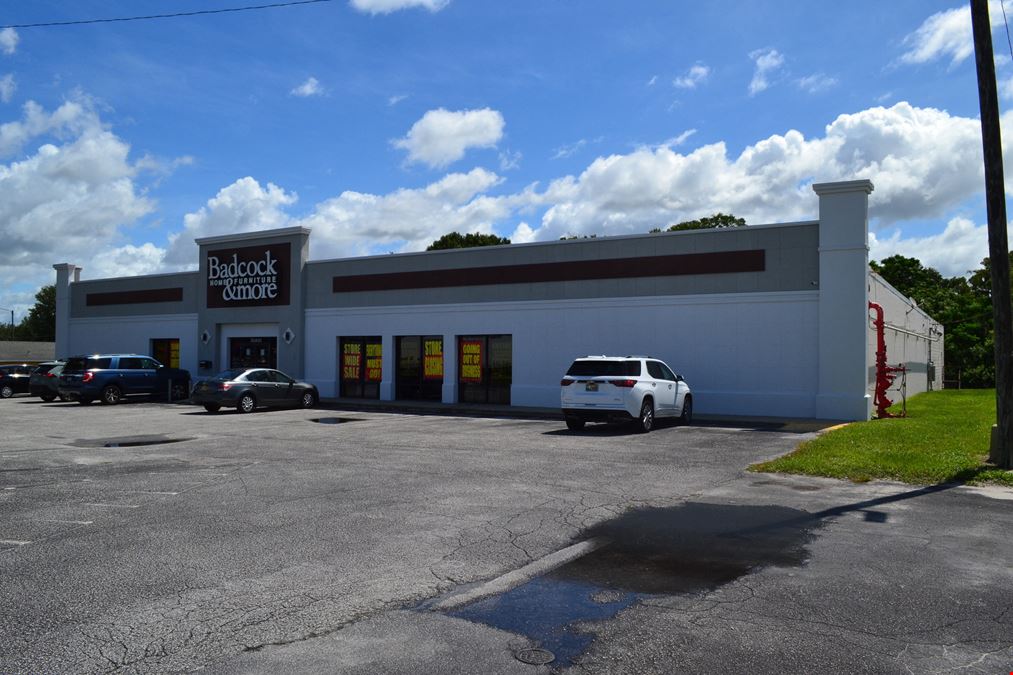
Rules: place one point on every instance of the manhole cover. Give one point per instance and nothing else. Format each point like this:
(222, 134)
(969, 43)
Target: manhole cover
(333, 420)
(535, 657)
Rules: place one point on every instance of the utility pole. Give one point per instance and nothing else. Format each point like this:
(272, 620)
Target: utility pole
(998, 247)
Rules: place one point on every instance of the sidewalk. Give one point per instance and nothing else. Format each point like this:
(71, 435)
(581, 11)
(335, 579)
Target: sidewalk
(788, 425)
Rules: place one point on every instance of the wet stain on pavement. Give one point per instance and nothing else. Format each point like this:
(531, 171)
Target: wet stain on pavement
(128, 441)
(334, 420)
(691, 548)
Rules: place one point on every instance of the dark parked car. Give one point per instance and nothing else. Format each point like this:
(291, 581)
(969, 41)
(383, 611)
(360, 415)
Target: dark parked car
(110, 377)
(247, 388)
(45, 380)
(14, 379)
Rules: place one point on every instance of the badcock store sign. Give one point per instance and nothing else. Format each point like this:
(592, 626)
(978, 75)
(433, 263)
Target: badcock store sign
(253, 276)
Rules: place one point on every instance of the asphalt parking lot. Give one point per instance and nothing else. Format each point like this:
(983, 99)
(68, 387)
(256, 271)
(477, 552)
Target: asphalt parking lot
(154, 538)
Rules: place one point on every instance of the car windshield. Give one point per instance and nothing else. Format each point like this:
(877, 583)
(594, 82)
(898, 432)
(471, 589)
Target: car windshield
(604, 368)
(230, 374)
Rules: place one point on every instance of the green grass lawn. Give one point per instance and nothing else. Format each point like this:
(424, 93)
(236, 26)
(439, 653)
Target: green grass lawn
(944, 438)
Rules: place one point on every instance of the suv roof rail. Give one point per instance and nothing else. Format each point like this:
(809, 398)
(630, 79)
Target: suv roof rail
(638, 356)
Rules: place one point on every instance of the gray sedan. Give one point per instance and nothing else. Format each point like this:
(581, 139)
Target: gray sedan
(248, 388)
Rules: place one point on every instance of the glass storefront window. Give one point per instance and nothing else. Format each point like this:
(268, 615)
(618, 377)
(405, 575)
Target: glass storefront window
(485, 368)
(419, 368)
(360, 366)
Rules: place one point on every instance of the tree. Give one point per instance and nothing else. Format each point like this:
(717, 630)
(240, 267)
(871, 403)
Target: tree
(718, 220)
(907, 275)
(39, 325)
(472, 239)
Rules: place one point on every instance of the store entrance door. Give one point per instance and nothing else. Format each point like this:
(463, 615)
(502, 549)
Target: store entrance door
(253, 352)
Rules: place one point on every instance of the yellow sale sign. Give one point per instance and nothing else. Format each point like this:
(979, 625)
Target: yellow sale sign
(432, 359)
(471, 360)
(374, 362)
(351, 361)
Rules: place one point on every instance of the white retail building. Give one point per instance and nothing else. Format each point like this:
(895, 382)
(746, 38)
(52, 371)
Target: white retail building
(761, 320)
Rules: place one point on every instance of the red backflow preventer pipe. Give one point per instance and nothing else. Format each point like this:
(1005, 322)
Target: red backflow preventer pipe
(884, 373)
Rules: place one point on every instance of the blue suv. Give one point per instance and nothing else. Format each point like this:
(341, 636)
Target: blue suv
(110, 377)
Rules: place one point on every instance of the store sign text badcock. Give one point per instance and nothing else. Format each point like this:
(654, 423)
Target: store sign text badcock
(250, 276)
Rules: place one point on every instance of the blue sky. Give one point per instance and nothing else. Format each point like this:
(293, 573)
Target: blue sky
(383, 124)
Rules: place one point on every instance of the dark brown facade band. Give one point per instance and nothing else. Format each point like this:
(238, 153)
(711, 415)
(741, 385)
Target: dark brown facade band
(614, 268)
(135, 297)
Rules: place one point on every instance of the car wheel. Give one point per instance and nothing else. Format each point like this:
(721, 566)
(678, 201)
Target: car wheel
(212, 407)
(111, 395)
(180, 390)
(246, 403)
(646, 421)
(574, 424)
(309, 399)
(687, 411)
(48, 398)
(6, 391)
(63, 398)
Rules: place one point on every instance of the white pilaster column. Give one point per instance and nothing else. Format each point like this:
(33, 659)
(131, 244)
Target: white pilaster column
(844, 298)
(66, 274)
(389, 368)
(450, 369)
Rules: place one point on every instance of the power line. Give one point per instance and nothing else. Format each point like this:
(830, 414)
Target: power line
(1006, 23)
(248, 8)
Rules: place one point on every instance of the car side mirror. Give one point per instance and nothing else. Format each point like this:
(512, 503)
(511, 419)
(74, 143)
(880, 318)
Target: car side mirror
(678, 378)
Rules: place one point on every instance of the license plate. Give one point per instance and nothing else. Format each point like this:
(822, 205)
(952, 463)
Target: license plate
(591, 386)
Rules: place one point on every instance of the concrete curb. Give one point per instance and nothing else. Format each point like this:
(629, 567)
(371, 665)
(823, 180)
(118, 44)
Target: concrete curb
(520, 576)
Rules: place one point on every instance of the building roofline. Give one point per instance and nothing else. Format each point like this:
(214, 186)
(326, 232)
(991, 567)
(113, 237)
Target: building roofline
(680, 233)
(258, 234)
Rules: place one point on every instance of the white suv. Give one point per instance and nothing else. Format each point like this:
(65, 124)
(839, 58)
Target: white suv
(623, 388)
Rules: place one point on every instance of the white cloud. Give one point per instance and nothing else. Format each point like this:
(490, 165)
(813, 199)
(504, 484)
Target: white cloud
(695, 75)
(947, 34)
(125, 261)
(816, 83)
(676, 141)
(955, 251)
(651, 82)
(944, 34)
(767, 61)
(73, 117)
(442, 137)
(394, 100)
(243, 206)
(356, 223)
(8, 40)
(510, 160)
(69, 198)
(567, 150)
(388, 6)
(7, 87)
(311, 87)
(522, 234)
(922, 162)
